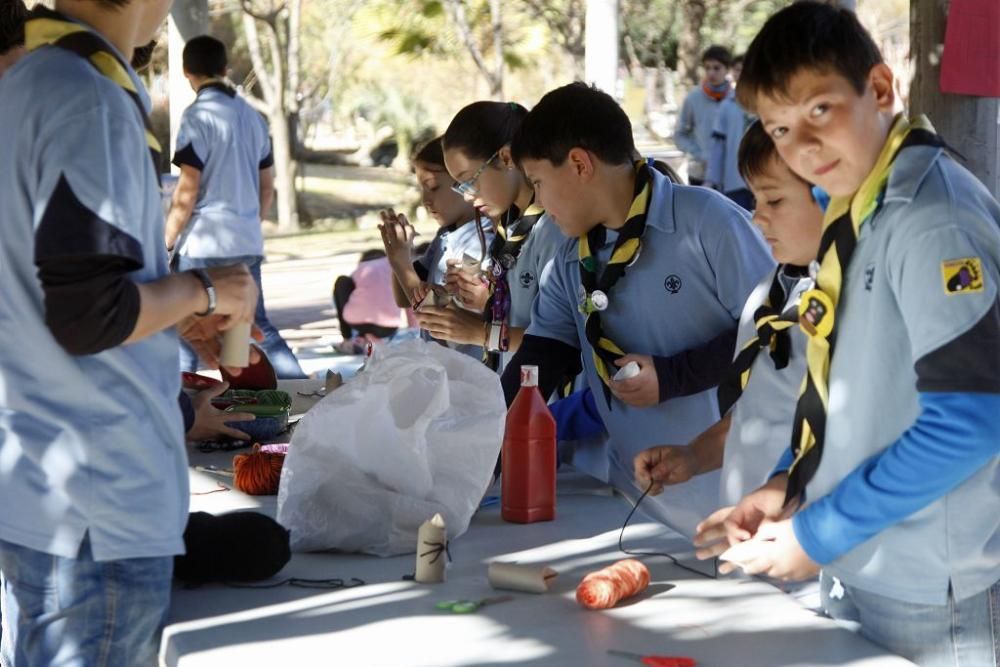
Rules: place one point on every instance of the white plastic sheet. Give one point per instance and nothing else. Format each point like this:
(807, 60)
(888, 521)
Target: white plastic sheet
(417, 432)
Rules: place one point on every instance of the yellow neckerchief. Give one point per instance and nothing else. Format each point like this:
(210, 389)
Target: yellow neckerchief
(772, 333)
(817, 308)
(595, 290)
(45, 27)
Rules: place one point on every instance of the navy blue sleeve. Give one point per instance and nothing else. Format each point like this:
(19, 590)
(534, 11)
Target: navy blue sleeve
(83, 261)
(954, 436)
(693, 371)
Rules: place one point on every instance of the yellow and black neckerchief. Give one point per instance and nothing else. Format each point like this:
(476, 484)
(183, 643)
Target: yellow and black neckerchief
(772, 334)
(817, 308)
(45, 27)
(217, 83)
(594, 293)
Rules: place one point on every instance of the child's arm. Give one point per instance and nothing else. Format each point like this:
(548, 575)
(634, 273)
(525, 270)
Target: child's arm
(684, 137)
(397, 239)
(674, 464)
(715, 171)
(184, 199)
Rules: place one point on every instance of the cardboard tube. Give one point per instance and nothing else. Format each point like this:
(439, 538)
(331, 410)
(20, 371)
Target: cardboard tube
(236, 346)
(525, 578)
(432, 554)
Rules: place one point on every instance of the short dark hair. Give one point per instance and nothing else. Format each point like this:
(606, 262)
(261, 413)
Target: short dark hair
(806, 35)
(13, 13)
(738, 60)
(575, 116)
(718, 53)
(205, 56)
(757, 153)
(482, 128)
(430, 153)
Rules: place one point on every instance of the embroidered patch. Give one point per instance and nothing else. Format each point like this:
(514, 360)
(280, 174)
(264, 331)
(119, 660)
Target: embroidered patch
(526, 279)
(673, 283)
(962, 275)
(869, 277)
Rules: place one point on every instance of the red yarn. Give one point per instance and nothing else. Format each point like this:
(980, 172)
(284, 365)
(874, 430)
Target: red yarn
(605, 588)
(259, 472)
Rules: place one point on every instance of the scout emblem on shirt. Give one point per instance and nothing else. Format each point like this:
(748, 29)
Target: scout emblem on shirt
(526, 279)
(816, 313)
(673, 283)
(962, 275)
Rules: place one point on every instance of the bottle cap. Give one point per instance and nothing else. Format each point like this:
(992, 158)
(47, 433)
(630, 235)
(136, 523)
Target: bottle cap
(529, 376)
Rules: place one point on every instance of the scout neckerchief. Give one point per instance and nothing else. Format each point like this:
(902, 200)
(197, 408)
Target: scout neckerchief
(594, 292)
(841, 226)
(45, 27)
(504, 251)
(772, 334)
(717, 93)
(217, 83)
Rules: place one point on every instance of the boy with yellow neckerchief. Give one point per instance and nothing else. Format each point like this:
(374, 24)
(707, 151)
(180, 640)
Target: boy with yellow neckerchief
(653, 273)
(894, 469)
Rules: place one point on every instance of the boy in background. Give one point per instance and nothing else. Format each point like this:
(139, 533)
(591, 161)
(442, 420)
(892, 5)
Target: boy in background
(698, 112)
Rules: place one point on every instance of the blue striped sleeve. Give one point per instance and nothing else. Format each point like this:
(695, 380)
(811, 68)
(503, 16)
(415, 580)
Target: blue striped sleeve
(954, 436)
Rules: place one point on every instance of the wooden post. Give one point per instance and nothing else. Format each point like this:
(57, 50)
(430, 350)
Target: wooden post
(601, 51)
(970, 124)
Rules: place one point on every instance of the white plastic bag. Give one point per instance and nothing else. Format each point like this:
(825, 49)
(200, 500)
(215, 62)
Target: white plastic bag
(416, 433)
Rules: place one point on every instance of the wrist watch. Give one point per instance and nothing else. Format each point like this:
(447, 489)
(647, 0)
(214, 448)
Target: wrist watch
(206, 282)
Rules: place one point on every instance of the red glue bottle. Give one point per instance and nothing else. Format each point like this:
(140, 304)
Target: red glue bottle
(528, 481)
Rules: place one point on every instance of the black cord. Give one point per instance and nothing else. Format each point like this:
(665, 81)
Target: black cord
(673, 559)
(297, 582)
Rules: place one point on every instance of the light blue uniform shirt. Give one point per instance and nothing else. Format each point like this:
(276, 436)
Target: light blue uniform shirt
(87, 443)
(227, 140)
(700, 260)
(896, 308)
(761, 420)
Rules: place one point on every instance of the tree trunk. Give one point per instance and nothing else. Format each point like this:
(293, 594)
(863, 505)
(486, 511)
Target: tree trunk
(968, 123)
(456, 9)
(689, 47)
(273, 86)
(496, 12)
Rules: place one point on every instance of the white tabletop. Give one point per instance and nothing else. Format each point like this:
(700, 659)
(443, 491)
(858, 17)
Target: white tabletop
(391, 622)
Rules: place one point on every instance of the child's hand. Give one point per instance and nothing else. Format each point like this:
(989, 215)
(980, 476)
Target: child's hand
(641, 391)
(775, 552)
(730, 525)
(397, 237)
(203, 334)
(236, 294)
(210, 422)
(457, 326)
(663, 466)
(471, 291)
(420, 293)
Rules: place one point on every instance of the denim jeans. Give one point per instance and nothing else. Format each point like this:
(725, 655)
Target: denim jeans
(281, 357)
(961, 633)
(75, 612)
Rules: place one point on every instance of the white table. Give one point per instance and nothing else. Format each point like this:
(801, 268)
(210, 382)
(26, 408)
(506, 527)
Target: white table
(390, 622)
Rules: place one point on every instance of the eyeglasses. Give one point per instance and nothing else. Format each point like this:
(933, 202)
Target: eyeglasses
(468, 188)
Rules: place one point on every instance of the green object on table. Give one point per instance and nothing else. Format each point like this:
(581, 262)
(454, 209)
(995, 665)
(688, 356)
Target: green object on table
(469, 606)
(274, 397)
